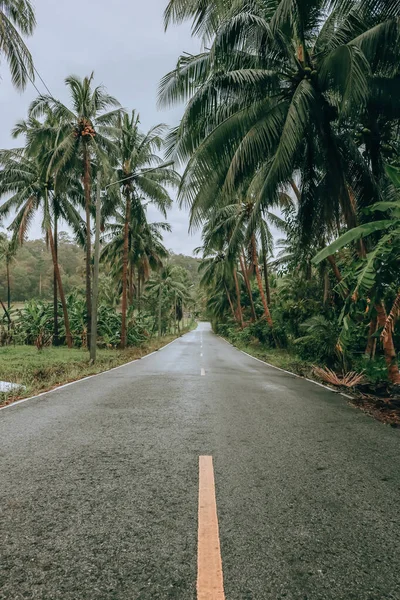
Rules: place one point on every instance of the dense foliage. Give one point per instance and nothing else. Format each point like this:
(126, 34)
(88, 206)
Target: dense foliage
(291, 125)
(88, 158)
(31, 292)
(292, 121)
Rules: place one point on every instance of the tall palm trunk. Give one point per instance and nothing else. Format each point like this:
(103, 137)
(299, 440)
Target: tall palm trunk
(234, 314)
(267, 313)
(8, 285)
(86, 186)
(60, 287)
(371, 344)
(131, 276)
(159, 311)
(248, 286)
(139, 291)
(55, 295)
(239, 305)
(8, 291)
(388, 346)
(175, 314)
(266, 277)
(295, 189)
(327, 287)
(125, 259)
(335, 268)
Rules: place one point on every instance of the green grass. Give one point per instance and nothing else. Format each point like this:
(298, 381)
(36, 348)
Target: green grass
(279, 358)
(44, 370)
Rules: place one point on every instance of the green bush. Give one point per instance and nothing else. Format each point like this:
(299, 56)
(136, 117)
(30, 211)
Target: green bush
(319, 342)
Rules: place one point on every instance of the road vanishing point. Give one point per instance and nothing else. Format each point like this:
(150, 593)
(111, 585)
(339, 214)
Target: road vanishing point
(197, 473)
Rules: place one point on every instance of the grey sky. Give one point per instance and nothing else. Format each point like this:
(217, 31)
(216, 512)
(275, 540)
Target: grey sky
(124, 42)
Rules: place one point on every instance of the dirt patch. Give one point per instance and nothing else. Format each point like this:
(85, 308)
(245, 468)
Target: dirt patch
(380, 401)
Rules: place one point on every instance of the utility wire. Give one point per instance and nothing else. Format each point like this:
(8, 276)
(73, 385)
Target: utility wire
(42, 80)
(30, 79)
(33, 82)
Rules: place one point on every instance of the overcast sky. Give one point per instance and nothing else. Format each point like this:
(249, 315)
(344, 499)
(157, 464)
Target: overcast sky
(124, 43)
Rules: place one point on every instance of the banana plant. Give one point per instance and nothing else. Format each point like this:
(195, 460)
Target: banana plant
(370, 271)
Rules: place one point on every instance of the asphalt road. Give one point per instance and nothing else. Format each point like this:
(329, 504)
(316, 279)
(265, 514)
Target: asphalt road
(99, 484)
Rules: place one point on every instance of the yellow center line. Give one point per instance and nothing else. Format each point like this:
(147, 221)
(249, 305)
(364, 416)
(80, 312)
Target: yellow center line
(210, 580)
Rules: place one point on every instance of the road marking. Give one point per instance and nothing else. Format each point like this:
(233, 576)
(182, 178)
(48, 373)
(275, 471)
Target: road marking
(202, 372)
(210, 580)
(201, 354)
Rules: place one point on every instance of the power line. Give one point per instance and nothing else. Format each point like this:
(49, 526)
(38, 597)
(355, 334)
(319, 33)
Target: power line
(30, 78)
(32, 81)
(42, 80)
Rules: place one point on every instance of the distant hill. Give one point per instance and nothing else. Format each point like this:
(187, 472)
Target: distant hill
(32, 270)
(189, 263)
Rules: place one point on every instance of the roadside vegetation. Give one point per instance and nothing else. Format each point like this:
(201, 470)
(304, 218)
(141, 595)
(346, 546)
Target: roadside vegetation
(110, 284)
(291, 131)
(289, 146)
(38, 372)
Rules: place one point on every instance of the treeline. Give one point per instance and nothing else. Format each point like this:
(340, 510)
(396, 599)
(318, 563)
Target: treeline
(292, 119)
(32, 274)
(88, 165)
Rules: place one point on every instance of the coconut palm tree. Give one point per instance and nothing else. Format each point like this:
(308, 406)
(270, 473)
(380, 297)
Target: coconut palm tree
(41, 138)
(84, 132)
(8, 251)
(142, 175)
(166, 287)
(265, 101)
(205, 15)
(17, 17)
(32, 190)
(217, 274)
(145, 248)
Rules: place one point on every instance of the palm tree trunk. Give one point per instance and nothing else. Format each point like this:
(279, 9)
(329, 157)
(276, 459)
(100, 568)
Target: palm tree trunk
(125, 258)
(8, 291)
(267, 313)
(326, 286)
(371, 344)
(175, 314)
(234, 314)
(86, 186)
(131, 274)
(266, 278)
(295, 189)
(159, 311)
(60, 288)
(138, 293)
(239, 305)
(55, 296)
(247, 282)
(335, 268)
(96, 269)
(8, 285)
(388, 346)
